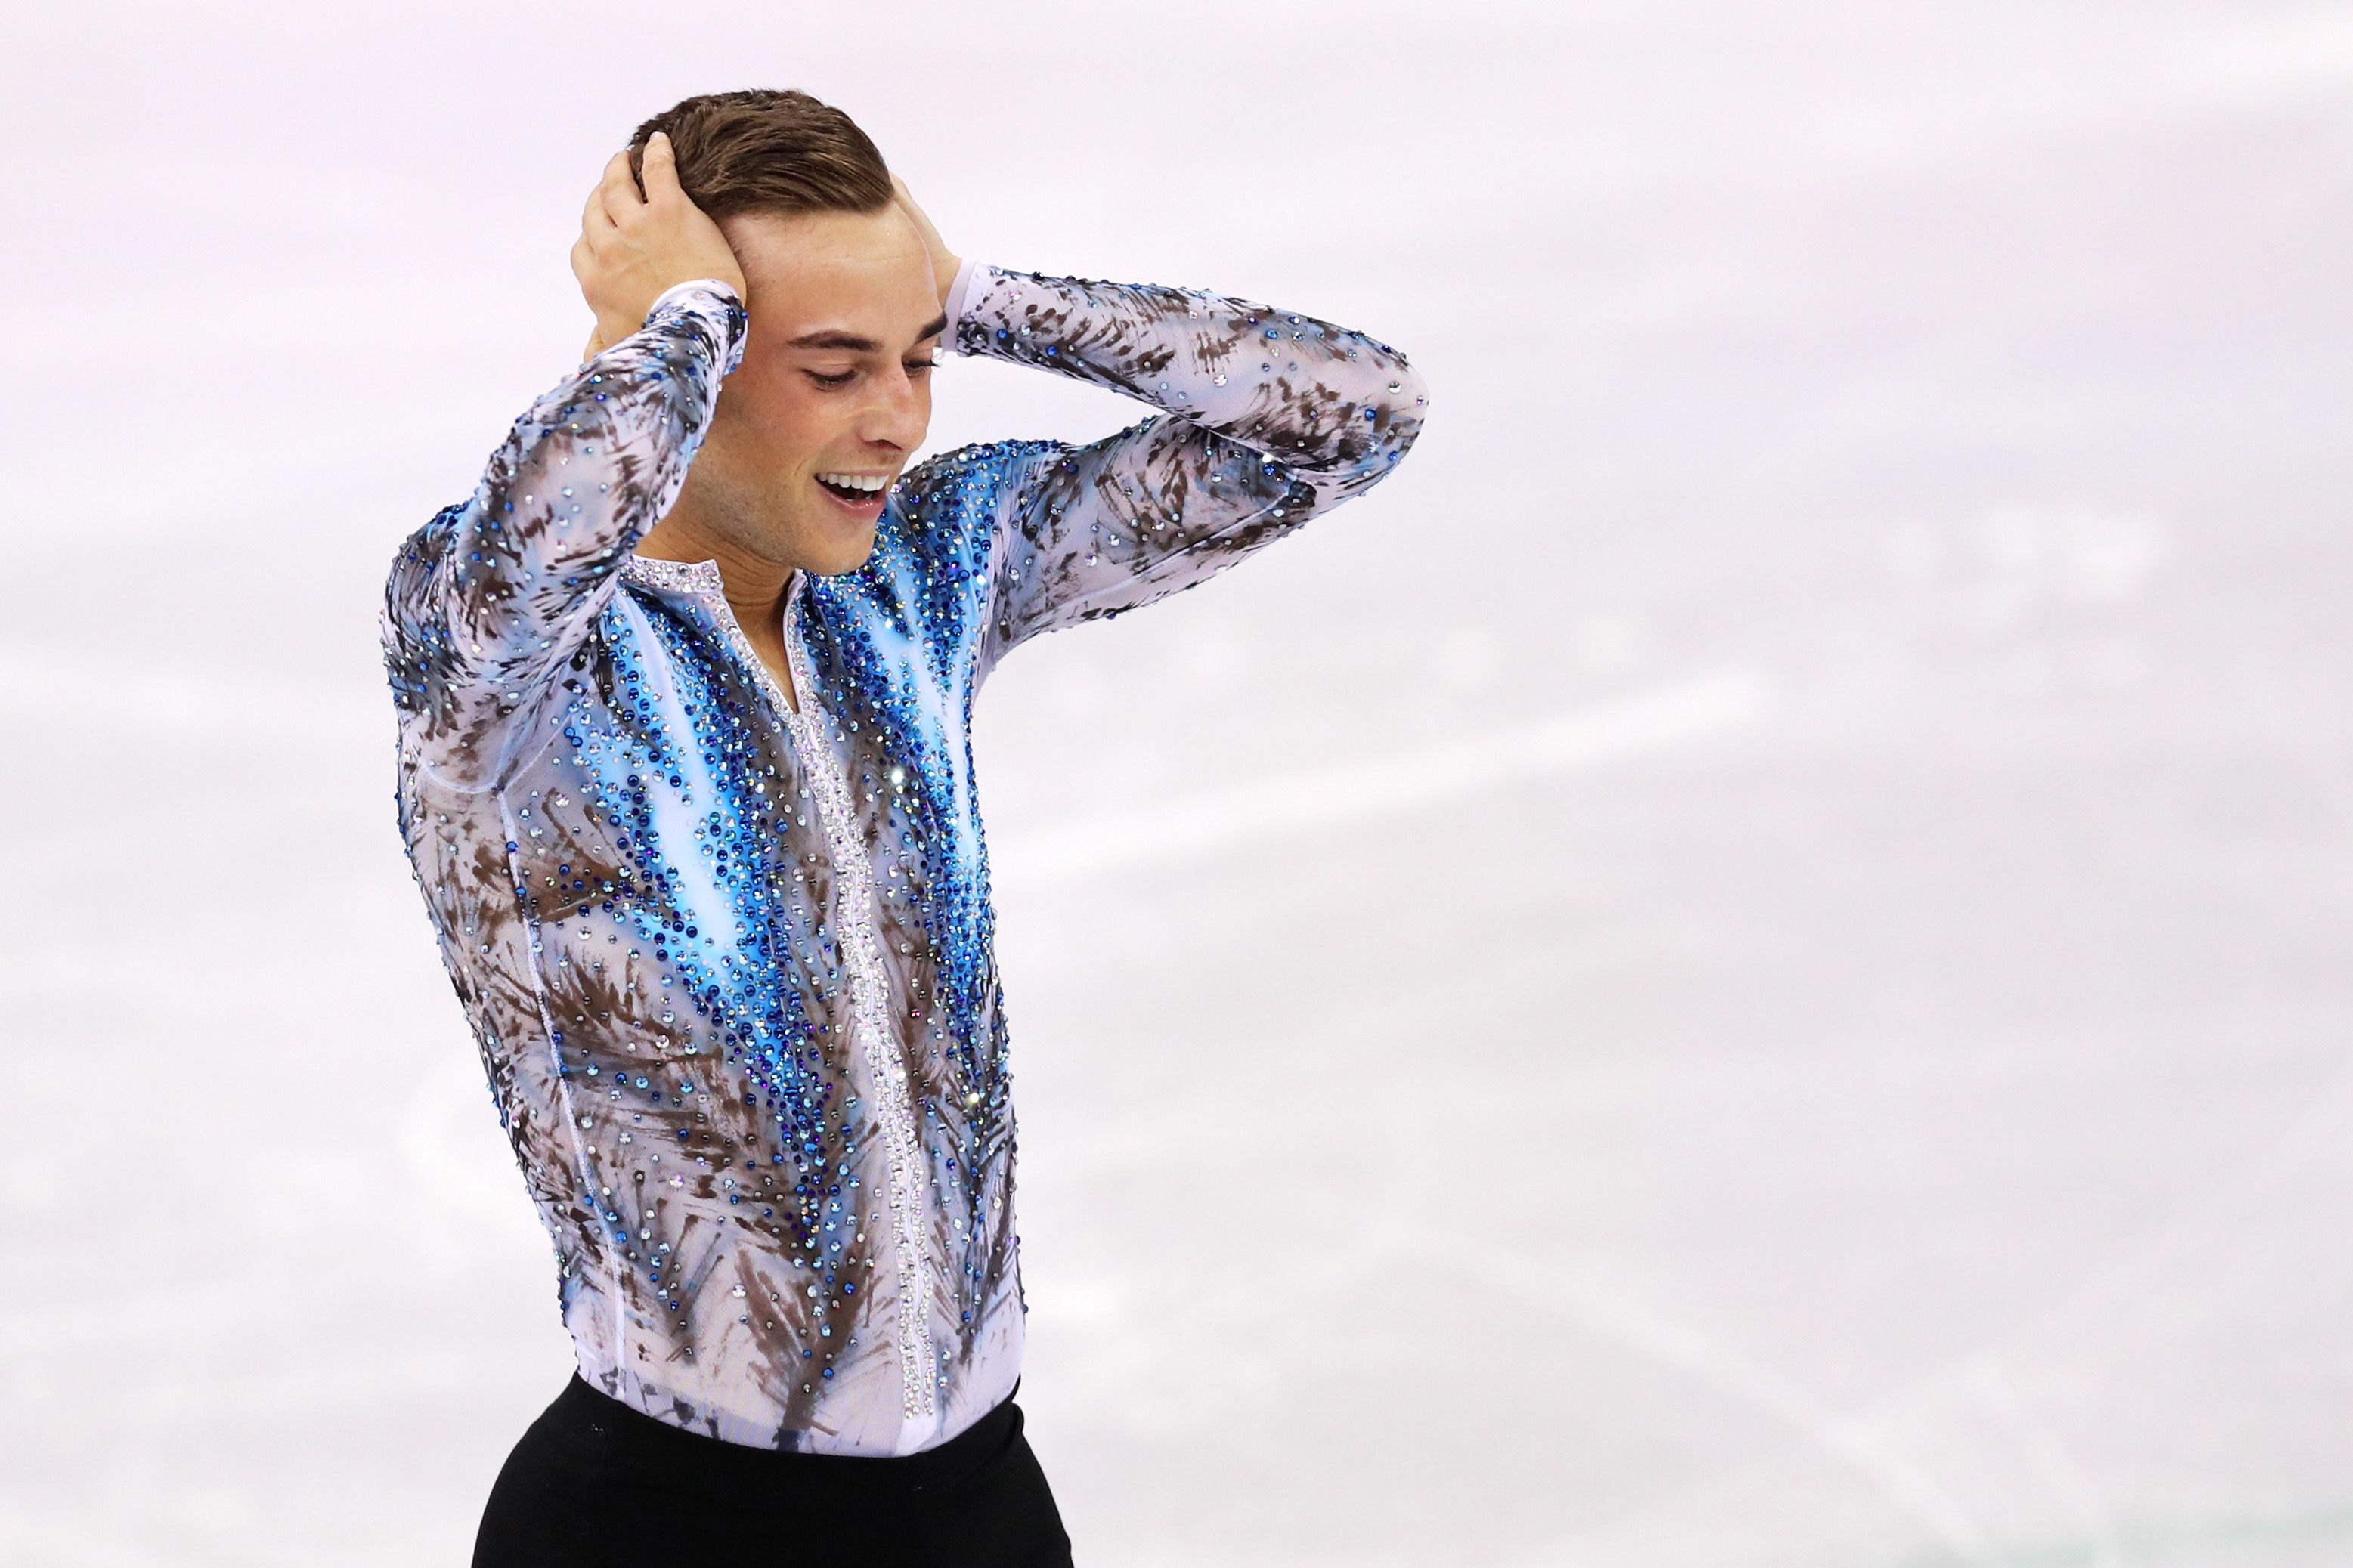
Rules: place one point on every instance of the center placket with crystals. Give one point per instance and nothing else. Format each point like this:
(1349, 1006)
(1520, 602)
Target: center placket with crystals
(886, 1069)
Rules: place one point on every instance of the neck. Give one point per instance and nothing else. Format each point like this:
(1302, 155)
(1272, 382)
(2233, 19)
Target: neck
(755, 585)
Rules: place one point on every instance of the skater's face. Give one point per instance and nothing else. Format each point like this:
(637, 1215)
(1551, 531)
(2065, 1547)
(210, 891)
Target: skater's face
(834, 384)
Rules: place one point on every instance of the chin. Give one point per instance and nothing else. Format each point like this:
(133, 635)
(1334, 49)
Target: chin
(846, 557)
(835, 538)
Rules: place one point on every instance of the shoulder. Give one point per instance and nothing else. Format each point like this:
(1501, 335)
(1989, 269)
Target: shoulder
(424, 546)
(980, 470)
(933, 546)
(950, 501)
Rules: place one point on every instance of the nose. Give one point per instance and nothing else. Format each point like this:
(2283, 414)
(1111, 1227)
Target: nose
(897, 413)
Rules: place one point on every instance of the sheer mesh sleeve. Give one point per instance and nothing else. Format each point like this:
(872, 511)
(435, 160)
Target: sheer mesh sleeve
(1266, 418)
(489, 599)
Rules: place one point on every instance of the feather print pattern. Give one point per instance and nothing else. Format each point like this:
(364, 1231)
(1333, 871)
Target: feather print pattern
(731, 969)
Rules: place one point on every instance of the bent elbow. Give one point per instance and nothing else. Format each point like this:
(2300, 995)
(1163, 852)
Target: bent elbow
(1388, 422)
(1397, 418)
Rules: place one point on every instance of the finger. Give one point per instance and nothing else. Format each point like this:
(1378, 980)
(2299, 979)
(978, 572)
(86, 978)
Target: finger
(660, 171)
(906, 200)
(619, 191)
(594, 218)
(583, 259)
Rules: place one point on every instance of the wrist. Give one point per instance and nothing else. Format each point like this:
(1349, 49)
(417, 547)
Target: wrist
(611, 330)
(684, 286)
(728, 279)
(958, 298)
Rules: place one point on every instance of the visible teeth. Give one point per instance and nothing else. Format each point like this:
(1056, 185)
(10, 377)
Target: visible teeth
(857, 481)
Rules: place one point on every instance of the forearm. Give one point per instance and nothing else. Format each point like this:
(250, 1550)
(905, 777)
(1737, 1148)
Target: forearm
(587, 471)
(487, 599)
(1332, 406)
(1256, 434)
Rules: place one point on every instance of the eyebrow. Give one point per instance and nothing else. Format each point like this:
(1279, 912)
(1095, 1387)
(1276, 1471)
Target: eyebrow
(833, 337)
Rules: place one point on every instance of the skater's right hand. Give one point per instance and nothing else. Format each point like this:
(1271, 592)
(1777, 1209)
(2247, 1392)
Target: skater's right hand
(632, 247)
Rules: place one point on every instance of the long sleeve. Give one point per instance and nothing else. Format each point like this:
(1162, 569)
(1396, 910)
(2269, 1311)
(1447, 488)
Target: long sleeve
(1265, 418)
(486, 603)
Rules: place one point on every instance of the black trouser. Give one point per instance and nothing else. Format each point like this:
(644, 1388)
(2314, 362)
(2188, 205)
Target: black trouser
(596, 1482)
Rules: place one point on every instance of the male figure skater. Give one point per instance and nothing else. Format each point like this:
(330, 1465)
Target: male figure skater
(685, 776)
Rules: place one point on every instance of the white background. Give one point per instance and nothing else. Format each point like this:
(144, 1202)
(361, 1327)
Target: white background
(1759, 971)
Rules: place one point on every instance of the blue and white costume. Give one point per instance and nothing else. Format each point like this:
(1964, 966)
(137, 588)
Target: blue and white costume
(731, 966)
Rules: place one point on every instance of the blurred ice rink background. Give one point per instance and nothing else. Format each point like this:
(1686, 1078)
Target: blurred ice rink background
(1756, 971)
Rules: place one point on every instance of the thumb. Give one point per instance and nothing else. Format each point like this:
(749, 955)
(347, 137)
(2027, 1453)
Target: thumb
(658, 169)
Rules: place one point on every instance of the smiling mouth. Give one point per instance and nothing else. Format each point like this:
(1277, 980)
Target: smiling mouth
(850, 498)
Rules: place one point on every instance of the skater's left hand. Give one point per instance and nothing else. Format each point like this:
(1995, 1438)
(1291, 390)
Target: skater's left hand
(944, 262)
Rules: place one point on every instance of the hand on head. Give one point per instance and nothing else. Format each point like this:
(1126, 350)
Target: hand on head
(633, 244)
(944, 262)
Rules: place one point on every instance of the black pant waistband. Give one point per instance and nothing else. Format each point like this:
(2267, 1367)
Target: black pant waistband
(643, 1441)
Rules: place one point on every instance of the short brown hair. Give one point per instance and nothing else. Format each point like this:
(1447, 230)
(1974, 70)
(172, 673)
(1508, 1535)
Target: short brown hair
(768, 150)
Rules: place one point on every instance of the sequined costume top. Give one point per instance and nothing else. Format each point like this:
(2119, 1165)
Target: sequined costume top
(730, 966)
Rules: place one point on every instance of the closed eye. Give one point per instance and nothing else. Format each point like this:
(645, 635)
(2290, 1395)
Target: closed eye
(914, 367)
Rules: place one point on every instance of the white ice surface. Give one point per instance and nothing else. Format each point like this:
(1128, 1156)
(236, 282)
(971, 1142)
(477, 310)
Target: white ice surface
(1757, 969)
